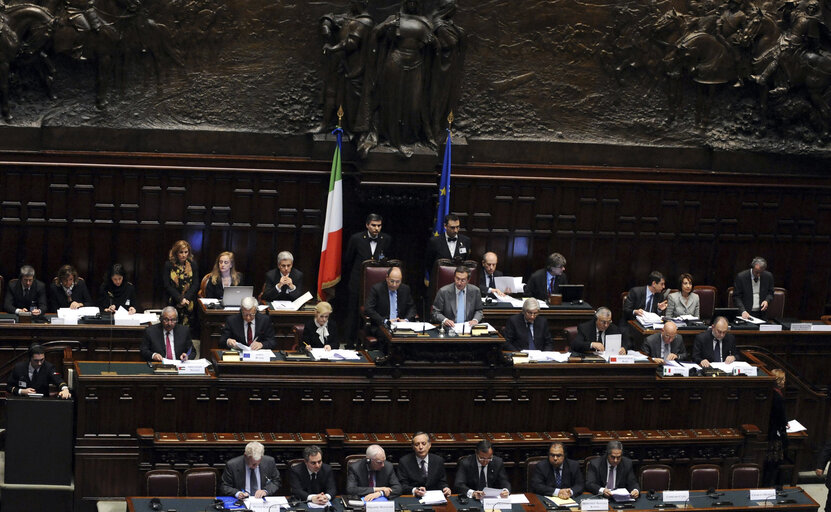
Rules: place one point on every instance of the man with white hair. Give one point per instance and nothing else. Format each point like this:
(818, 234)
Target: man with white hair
(167, 339)
(528, 330)
(284, 282)
(373, 476)
(250, 328)
(250, 474)
(753, 289)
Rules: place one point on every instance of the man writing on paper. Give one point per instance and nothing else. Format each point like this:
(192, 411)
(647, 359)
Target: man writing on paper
(753, 289)
(458, 302)
(715, 345)
(373, 477)
(649, 298)
(250, 327)
(421, 471)
(284, 282)
(34, 375)
(389, 300)
(557, 476)
(481, 470)
(612, 471)
(528, 330)
(666, 345)
(487, 280)
(312, 481)
(250, 474)
(591, 335)
(168, 339)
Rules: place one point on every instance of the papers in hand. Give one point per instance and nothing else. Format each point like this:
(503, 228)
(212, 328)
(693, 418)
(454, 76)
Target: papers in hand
(613, 343)
(490, 492)
(752, 319)
(795, 426)
(433, 498)
(511, 283)
(294, 305)
(622, 495)
(321, 354)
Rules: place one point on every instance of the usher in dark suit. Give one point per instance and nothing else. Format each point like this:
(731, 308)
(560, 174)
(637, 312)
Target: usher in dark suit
(16, 300)
(301, 485)
(273, 276)
(544, 478)
(467, 475)
(154, 342)
(517, 334)
(587, 334)
(358, 250)
(537, 285)
(411, 476)
(46, 374)
(437, 249)
(743, 291)
(237, 328)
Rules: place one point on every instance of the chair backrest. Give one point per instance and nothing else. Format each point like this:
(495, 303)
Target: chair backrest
(705, 476)
(297, 331)
(203, 285)
(530, 464)
(656, 477)
(744, 475)
(623, 296)
(1, 289)
(162, 482)
(588, 461)
(373, 272)
(350, 459)
(569, 333)
(200, 482)
(777, 307)
(707, 299)
(730, 297)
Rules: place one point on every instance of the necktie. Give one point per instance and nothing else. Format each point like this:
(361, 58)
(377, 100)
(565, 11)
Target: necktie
(451, 239)
(492, 282)
(169, 351)
(35, 374)
(424, 468)
(610, 483)
(664, 351)
(314, 488)
(530, 337)
(26, 293)
(552, 284)
(460, 307)
(250, 334)
(649, 304)
(483, 481)
(394, 304)
(559, 474)
(755, 279)
(252, 475)
(599, 334)
(372, 479)
(717, 352)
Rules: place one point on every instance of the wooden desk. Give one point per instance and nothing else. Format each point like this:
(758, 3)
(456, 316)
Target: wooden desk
(559, 317)
(212, 320)
(436, 345)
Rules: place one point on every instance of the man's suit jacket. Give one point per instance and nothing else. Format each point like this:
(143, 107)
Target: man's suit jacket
(300, 482)
(311, 338)
(411, 476)
(153, 342)
(652, 346)
(483, 283)
(437, 248)
(516, 334)
(357, 479)
(273, 276)
(599, 473)
(743, 290)
(378, 303)
(544, 481)
(358, 250)
(537, 285)
(587, 334)
(58, 299)
(236, 328)
(14, 296)
(19, 378)
(822, 460)
(445, 304)
(703, 347)
(467, 475)
(636, 299)
(233, 477)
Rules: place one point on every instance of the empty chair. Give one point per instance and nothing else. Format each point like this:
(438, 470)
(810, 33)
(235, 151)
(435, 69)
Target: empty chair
(200, 482)
(706, 300)
(530, 463)
(656, 477)
(569, 333)
(744, 476)
(162, 482)
(705, 476)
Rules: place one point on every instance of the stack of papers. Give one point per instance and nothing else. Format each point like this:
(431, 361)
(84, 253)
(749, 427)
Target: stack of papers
(123, 317)
(751, 319)
(795, 426)
(510, 283)
(433, 498)
(321, 354)
(561, 502)
(265, 504)
(413, 326)
(728, 368)
(293, 305)
(622, 495)
(651, 320)
(68, 316)
(545, 356)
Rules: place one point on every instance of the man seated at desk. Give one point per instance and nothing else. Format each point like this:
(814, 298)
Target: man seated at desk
(390, 300)
(250, 328)
(312, 481)
(479, 470)
(649, 298)
(715, 345)
(612, 471)
(168, 339)
(34, 375)
(557, 476)
(547, 281)
(422, 471)
(591, 335)
(528, 330)
(487, 280)
(666, 345)
(250, 474)
(284, 282)
(458, 302)
(26, 294)
(373, 477)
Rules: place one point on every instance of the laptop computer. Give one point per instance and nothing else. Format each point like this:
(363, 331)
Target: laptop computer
(571, 292)
(233, 295)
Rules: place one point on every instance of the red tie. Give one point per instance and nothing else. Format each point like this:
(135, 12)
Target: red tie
(250, 335)
(169, 346)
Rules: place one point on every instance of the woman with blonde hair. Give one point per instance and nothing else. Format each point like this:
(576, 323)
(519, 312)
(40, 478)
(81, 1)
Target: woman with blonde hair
(224, 274)
(181, 280)
(321, 331)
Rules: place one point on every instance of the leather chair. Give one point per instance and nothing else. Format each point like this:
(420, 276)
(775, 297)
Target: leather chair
(297, 332)
(372, 273)
(203, 285)
(1, 290)
(569, 333)
(530, 464)
(346, 462)
(656, 477)
(200, 482)
(623, 296)
(586, 463)
(162, 482)
(445, 270)
(707, 299)
(705, 476)
(744, 475)
(730, 297)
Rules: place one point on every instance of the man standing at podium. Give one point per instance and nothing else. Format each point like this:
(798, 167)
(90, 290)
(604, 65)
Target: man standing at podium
(168, 339)
(250, 328)
(421, 471)
(612, 471)
(458, 302)
(34, 375)
(312, 481)
(250, 474)
(480, 470)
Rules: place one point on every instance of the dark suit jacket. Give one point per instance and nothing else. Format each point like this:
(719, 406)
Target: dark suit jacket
(357, 479)
(378, 303)
(153, 341)
(236, 328)
(743, 290)
(58, 298)
(272, 277)
(445, 304)
(233, 477)
(358, 250)
(587, 334)
(14, 296)
(437, 248)
(311, 338)
(120, 296)
(599, 472)
(822, 460)
(217, 291)
(652, 346)
(703, 347)
(516, 334)
(411, 476)
(19, 378)
(537, 285)
(636, 299)
(467, 475)
(483, 284)
(301, 484)
(544, 481)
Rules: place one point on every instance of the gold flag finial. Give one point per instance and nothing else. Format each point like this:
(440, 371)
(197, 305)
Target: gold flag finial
(340, 114)
(450, 119)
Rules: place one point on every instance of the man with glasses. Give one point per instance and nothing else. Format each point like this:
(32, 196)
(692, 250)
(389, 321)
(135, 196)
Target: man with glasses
(312, 481)
(528, 330)
(557, 476)
(591, 335)
(168, 339)
(422, 471)
(715, 345)
(284, 282)
(458, 302)
(250, 328)
(546, 281)
(666, 345)
(34, 376)
(612, 471)
(481, 470)
(373, 477)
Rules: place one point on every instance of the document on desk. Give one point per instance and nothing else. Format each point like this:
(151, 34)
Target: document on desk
(540, 356)
(751, 319)
(511, 283)
(433, 498)
(123, 317)
(263, 504)
(209, 302)
(413, 326)
(622, 495)
(725, 367)
(613, 342)
(561, 502)
(795, 426)
(490, 492)
(321, 354)
(291, 305)
(518, 499)
(639, 357)
(465, 328)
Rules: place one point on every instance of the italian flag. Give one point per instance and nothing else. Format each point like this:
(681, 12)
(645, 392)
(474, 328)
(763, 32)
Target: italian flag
(330, 253)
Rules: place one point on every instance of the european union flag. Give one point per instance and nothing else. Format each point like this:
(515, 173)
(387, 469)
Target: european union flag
(444, 197)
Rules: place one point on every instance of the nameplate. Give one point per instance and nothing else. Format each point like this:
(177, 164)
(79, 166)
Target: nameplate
(821, 327)
(257, 355)
(676, 496)
(619, 359)
(191, 370)
(762, 494)
(380, 506)
(770, 327)
(496, 504)
(750, 372)
(594, 504)
(801, 326)
(676, 370)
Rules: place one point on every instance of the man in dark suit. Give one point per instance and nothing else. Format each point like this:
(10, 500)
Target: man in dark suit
(547, 281)
(753, 289)
(68, 291)
(389, 292)
(446, 308)
(249, 327)
(591, 335)
(557, 476)
(284, 282)
(528, 330)
(487, 282)
(479, 470)
(373, 477)
(250, 474)
(167, 339)
(449, 245)
(715, 345)
(26, 294)
(822, 461)
(612, 471)
(312, 481)
(666, 345)
(421, 471)
(648, 298)
(34, 375)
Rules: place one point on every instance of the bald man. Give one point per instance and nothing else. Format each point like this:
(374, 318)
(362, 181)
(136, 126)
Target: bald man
(666, 345)
(715, 345)
(487, 279)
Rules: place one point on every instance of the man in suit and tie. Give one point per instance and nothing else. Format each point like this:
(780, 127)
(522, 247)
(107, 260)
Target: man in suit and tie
(487, 281)
(528, 330)
(479, 470)
(167, 339)
(389, 300)
(591, 335)
(34, 375)
(612, 471)
(649, 298)
(822, 461)
(448, 245)
(250, 328)
(284, 282)
(312, 481)
(373, 476)
(715, 345)
(422, 471)
(458, 302)
(547, 281)
(250, 474)
(26, 294)
(753, 289)
(666, 345)
(557, 476)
